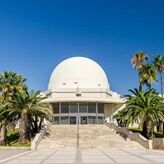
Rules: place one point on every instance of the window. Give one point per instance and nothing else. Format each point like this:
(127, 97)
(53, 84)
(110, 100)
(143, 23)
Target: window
(64, 108)
(100, 108)
(83, 108)
(91, 120)
(92, 108)
(100, 120)
(56, 108)
(64, 120)
(56, 120)
(73, 108)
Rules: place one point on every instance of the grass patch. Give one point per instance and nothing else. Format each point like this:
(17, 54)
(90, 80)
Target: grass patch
(135, 130)
(12, 139)
(157, 134)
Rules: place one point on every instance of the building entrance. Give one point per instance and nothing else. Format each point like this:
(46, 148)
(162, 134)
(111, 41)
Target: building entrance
(78, 113)
(83, 120)
(73, 120)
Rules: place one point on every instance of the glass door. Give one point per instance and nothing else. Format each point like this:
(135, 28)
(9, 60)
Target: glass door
(73, 120)
(83, 119)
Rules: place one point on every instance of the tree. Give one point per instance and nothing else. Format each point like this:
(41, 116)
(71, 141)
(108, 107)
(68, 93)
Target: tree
(138, 59)
(159, 64)
(145, 106)
(10, 83)
(28, 106)
(4, 120)
(147, 74)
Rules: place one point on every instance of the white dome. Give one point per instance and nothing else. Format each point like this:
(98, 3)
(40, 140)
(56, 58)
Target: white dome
(78, 72)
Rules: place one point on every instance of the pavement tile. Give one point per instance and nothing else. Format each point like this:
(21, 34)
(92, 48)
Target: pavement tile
(89, 156)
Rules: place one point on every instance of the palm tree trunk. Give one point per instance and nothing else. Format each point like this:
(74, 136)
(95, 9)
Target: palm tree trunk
(144, 129)
(40, 123)
(3, 137)
(161, 80)
(23, 130)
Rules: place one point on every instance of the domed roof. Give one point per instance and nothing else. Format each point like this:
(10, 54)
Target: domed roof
(78, 72)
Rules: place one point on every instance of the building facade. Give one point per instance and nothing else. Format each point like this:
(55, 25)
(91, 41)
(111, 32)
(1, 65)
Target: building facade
(80, 93)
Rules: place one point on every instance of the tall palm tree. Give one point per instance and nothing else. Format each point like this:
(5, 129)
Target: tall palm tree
(27, 106)
(4, 120)
(138, 59)
(147, 74)
(159, 64)
(145, 106)
(10, 83)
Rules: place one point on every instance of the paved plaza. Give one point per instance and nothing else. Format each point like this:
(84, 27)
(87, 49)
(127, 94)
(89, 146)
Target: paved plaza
(8, 152)
(97, 145)
(86, 156)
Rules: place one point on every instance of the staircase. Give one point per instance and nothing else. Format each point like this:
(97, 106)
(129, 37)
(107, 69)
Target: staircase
(90, 136)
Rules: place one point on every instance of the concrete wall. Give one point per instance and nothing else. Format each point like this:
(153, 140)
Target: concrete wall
(109, 109)
(158, 143)
(133, 136)
(38, 138)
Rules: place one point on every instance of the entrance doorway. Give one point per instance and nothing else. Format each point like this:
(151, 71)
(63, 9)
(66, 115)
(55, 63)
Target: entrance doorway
(83, 120)
(73, 120)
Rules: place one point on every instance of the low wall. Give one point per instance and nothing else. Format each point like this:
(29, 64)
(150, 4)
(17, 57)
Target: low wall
(38, 138)
(133, 136)
(141, 139)
(158, 143)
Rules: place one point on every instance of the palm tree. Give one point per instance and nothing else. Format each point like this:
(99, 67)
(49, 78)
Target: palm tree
(3, 135)
(145, 106)
(27, 106)
(147, 74)
(4, 120)
(10, 83)
(159, 64)
(138, 59)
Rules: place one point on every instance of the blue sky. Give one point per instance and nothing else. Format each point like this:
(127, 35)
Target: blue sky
(35, 35)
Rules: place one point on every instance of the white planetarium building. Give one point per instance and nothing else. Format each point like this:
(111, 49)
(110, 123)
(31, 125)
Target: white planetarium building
(80, 93)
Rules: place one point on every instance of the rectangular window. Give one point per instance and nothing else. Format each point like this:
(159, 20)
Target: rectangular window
(91, 120)
(64, 120)
(92, 108)
(73, 107)
(100, 120)
(64, 108)
(100, 108)
(56, 120)
(83, 108)
(55, 108)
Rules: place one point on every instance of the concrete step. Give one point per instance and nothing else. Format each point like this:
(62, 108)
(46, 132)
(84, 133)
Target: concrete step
(90, 136)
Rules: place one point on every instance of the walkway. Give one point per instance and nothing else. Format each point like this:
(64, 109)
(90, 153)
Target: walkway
(8, 152)
(97, 145)
(90, 156)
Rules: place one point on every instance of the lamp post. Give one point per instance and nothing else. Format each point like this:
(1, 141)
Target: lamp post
(76, 92)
